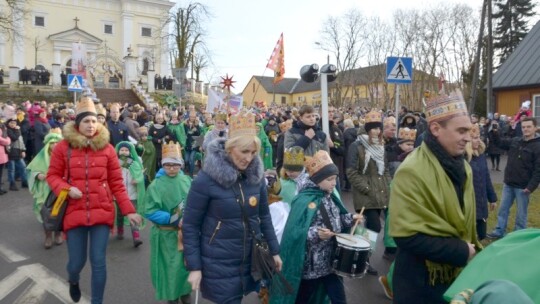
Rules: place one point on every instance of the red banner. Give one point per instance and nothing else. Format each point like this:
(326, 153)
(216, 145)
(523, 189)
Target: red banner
(277, 60)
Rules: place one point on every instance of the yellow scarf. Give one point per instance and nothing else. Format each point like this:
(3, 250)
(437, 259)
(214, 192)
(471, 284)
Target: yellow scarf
(20, 116)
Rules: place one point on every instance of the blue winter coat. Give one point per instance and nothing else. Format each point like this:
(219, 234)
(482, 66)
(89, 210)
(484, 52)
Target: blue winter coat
(215, 239)
(483, 187)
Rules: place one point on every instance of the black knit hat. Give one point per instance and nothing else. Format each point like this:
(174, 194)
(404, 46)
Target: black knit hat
(324, 173)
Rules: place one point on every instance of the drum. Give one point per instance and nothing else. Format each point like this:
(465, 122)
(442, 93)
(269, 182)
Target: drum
(351, 255)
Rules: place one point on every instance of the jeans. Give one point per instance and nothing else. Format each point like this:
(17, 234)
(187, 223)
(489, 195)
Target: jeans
(77, 243)
(332, 283)
(508, 196)
(190, 161)
(19, 166)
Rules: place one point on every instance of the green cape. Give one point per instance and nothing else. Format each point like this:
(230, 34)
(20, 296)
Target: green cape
(179, 131)
(137, 173)
(511, 258)
(423, 200)
(293, 244)
(169, 274)
(149, 159)
(40, 164)
(266, 147)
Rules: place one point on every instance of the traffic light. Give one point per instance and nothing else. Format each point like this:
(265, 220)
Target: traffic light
(330, 71)
(309, 73)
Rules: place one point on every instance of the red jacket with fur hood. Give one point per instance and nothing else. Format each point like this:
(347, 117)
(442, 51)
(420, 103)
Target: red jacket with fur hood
(95, 171)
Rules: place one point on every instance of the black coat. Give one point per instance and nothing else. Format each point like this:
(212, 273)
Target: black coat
(523, 166)
(411, 276)
(483, 187)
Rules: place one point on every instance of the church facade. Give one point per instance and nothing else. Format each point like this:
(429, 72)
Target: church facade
(109, 30)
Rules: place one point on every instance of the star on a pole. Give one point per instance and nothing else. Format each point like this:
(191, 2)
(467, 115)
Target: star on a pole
(227, 82)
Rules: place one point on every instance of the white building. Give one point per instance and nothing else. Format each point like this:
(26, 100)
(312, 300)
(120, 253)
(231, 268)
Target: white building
(106, 27)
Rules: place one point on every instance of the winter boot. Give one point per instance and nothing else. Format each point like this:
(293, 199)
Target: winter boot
(136, 238)
(120, 233)
(58, 240)
(48, 240)
(13, 187)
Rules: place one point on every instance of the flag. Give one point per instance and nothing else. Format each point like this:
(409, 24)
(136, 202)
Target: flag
(277, 60)
(215, 101)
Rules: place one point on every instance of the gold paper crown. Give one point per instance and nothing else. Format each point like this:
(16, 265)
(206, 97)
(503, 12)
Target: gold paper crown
(220, 116)
(373, 116)
(242, 125)
(86, 104)
(171, 150)
(317, 162)
(390, 120)
(407, 134)
(293, 157)
(475, 130)
(441, 108)
(55, 130)
(100, 110)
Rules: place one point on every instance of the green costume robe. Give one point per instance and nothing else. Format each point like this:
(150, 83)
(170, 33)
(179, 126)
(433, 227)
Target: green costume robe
(179, 132)
(511, 258)
(266, 148)
(169, 275)
(40, 164)
(293, 244)
(149, 159)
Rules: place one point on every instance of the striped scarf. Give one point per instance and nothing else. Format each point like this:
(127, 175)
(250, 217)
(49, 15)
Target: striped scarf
(374, 151)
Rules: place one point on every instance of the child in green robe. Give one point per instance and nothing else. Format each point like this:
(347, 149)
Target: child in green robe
(164, 206)
(266, 147)
(132, 173)
(308, 242)
(147, 150)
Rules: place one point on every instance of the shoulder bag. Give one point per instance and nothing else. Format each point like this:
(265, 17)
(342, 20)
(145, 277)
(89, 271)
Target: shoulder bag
(54, 208)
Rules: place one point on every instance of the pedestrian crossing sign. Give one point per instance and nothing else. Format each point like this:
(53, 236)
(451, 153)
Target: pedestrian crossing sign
(399, 70)
(75, 83)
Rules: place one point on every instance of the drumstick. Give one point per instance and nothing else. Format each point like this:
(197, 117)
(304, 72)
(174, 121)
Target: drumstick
(345, 237)
(357, 221)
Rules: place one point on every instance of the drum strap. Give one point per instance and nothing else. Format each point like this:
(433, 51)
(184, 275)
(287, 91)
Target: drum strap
(325, 217)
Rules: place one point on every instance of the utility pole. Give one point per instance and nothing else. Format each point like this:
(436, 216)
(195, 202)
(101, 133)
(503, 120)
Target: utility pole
(476, 73)
(489, 99)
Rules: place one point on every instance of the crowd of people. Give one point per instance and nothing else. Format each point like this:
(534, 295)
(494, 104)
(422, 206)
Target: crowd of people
(212, 183)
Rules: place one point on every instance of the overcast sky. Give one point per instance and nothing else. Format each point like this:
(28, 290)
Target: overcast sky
(243, 33)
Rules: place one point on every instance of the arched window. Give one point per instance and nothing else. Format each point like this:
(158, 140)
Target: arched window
(146, 65)
(68, 67)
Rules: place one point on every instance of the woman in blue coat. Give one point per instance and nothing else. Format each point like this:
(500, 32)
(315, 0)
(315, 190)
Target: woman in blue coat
(483, 187)
(216, 240)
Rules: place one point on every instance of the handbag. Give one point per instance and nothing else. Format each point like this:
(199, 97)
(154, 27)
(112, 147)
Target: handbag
(263, 266)
(54, 208)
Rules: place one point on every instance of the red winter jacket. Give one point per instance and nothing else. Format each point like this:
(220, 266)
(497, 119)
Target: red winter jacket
(95, 171)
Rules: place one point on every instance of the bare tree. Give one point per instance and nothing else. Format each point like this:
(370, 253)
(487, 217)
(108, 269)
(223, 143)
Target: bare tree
(187, 32)
(11, 12)
(344, 37)
(37, 44)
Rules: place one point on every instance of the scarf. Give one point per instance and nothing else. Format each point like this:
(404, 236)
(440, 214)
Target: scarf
(374, 151)
(453, 166)
(20, 117)
(43, 119)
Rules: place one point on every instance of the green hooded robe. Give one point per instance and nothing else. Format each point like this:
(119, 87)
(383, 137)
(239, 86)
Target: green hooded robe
(40, 164)
(179, 132)
(169, 274)
(293, 244)
(149, 157)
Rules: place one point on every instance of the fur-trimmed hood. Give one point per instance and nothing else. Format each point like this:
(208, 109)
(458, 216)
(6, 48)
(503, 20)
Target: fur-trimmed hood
(219, 166)
(78, 141)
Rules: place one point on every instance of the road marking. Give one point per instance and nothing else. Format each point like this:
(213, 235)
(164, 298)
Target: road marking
(43, 279)
(33, 294)
(10, 255)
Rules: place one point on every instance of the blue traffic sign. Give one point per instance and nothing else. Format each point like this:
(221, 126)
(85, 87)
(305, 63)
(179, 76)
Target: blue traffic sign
(75, 83)
(399, 70)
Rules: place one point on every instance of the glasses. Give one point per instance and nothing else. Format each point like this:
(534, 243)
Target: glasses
(172, 166)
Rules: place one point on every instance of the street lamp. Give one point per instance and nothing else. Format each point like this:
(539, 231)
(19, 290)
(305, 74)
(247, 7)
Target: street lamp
(322, 48)
(310, 73)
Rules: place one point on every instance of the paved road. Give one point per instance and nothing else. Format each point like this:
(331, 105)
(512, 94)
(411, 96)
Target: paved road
(31, 274)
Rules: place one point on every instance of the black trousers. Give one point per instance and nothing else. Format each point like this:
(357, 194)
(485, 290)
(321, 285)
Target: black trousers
(332, 283)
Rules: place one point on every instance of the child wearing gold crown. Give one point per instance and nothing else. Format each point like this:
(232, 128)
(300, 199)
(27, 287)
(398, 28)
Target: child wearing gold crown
(132, 174)
(307, 247)
(38, 187)
(164, 206)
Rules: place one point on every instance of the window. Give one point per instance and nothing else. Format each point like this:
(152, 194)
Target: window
(39, 21)
(283, 100)
(108, 29)
(146, 32)
(536, 107)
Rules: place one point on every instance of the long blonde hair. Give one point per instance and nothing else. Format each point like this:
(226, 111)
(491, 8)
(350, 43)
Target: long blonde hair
(469, 152)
